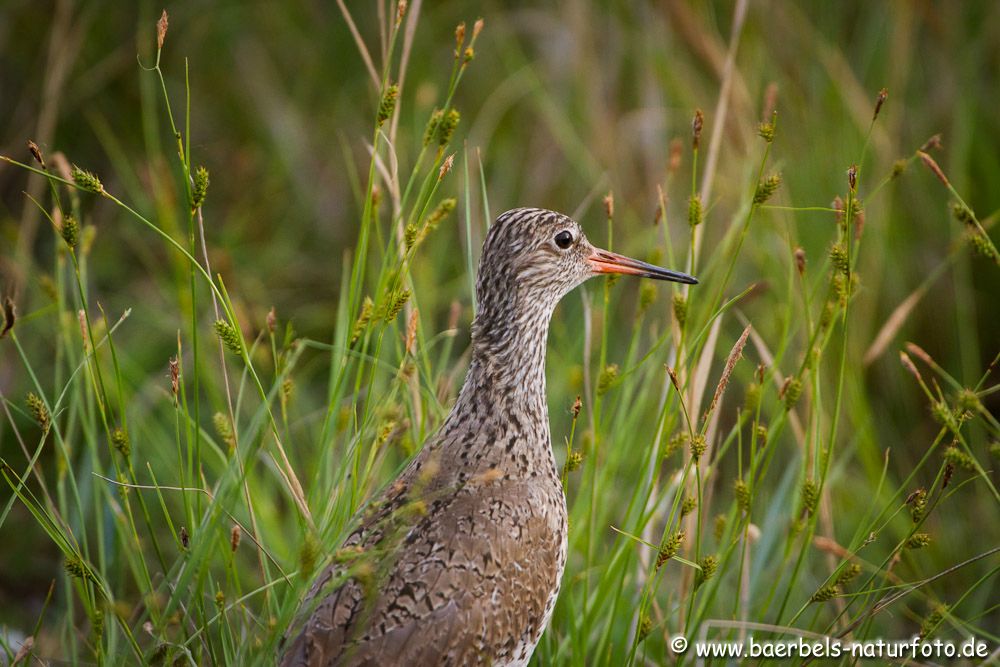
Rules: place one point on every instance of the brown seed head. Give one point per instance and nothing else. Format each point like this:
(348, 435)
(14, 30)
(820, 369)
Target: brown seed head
(400, 12)
(660, 199)
(185, 538)
(676, 147)
(477, 28)
(161, 29)
(838, 207)
(36, 153)
(9, 316)
(879, 101)
(446, 166)
(949, 470)
(932, 164)
(734, 355)
(459, 37)
(934, 143)
(609, 205)
(852, 177)
(272, 320)
(920, 353)
(908, 364)
(234, 537)
(175, 373)
(800, 260)
(696, 125)
(577, 405)
(673, 379)
(411, 331)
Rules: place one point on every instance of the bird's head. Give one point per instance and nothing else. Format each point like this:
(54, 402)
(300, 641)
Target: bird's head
(532, 257)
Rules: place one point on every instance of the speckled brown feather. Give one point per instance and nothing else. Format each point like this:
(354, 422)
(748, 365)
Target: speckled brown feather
(460, 558)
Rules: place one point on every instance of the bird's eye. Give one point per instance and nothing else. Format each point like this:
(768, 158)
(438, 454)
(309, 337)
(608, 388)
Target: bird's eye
(564, 239)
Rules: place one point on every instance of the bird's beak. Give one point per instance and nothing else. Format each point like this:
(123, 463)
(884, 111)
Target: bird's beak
(602, 261)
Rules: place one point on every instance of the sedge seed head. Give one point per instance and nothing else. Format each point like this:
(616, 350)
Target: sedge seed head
(698, 446)
(607, 379)
(647, 295)
(810, 496)
(680, 305)
(838, 258)
(229, 336)
(432, 126)
(933, 620)
(86, 180)
(645, 627)
(37, 409)
(719, 526)
(766, 131)
(848, 574)
(446, 126)
(364, 317)
(573, 461)
(918, 504)
(742, 493)
(678, 441)
(767, 188)
(695, 213)
(791, 392)
(387, 105)
(224, 431)
(670, 548)
(395, 302)
(75, 568)
(708, 564)
(959, 458)
(120, 440)
(200, 188)
(308, 554)
(918, 541)
(161, 29)
(70, 231)
(825, 593)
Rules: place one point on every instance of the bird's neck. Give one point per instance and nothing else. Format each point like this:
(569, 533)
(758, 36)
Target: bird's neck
(500, 419)
(508, 354)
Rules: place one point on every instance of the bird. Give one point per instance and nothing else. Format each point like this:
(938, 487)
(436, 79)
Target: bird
(458, 561)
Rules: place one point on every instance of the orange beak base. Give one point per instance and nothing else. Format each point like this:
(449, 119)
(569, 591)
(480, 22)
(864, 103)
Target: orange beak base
(603, 261)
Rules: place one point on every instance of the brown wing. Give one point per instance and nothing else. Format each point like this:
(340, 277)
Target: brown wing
(470, 582)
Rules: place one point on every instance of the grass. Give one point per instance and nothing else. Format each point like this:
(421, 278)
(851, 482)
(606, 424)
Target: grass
(748, 455)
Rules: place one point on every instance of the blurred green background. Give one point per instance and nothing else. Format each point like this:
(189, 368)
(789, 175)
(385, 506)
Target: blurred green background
(562, 103)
